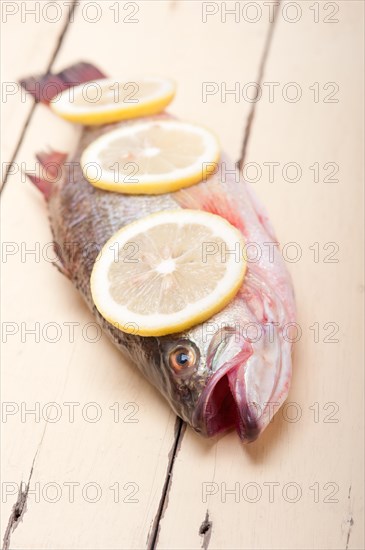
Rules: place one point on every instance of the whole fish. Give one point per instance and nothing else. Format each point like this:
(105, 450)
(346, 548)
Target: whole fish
(242, 364)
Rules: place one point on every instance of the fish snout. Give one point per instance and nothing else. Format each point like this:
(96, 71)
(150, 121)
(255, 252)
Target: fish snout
(224, 405)
(247, 381)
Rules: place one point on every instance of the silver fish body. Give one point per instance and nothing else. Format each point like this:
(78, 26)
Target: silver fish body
(243, 364)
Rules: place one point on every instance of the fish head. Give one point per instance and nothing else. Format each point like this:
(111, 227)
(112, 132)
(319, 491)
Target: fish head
(219, 377)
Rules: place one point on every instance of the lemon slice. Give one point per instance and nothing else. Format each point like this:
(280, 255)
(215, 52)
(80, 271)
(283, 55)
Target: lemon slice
(155, 156)
(107, 100)
(168, 271)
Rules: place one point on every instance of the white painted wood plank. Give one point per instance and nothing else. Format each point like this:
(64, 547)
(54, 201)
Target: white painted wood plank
(169, 40)
(323, 459)
(30, 33)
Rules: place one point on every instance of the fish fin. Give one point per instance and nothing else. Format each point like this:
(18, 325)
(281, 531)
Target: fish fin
(210, 196)
(52, 163)
(45, 87)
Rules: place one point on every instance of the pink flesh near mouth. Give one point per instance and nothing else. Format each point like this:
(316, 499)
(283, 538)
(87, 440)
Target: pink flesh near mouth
(226, 404)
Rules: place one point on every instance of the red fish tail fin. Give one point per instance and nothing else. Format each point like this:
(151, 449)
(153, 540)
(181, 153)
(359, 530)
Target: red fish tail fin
(51, 162)
(51, 171)
(45, 87)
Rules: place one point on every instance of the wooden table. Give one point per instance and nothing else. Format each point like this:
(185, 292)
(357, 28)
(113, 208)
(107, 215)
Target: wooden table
(101, 462)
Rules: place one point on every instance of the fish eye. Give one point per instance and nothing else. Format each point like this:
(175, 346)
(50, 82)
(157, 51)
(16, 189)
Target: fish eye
(182, 357)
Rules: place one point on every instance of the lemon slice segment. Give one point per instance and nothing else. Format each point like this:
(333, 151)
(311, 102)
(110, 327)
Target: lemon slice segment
(106, 100)
(168, 271)
(155, 156)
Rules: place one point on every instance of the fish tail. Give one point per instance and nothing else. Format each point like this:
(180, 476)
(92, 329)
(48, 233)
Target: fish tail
(45, 87)
(51, 167)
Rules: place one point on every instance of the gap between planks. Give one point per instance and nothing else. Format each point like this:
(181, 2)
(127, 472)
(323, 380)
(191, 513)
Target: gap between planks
(180, 428)
(20, 506)
(251, 114)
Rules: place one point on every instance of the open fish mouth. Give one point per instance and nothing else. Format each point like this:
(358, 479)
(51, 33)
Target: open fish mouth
(224, 406)
(227, 406)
